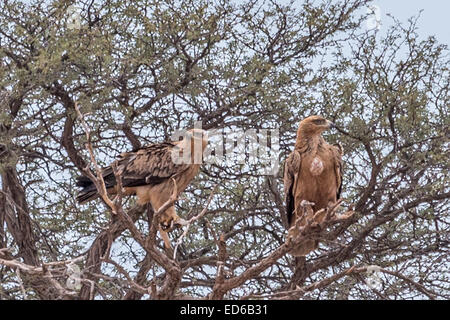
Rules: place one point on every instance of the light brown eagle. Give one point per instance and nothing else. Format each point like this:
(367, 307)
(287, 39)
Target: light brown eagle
(148, 172)
(312, 172)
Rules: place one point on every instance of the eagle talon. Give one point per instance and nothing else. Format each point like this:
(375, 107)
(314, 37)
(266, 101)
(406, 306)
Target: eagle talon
(306, 203)
(316, 227)
(164, 226)
(180, 222)
(174, 223)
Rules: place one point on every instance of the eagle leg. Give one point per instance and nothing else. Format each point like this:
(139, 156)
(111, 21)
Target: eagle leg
(308, 211)
(165, 238)
(170, 219)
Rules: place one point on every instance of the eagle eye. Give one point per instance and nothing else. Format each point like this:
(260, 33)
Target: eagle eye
(319, 121)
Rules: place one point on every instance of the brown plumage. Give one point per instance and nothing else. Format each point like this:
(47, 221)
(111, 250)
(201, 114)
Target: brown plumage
(148, 172)
(312, 172)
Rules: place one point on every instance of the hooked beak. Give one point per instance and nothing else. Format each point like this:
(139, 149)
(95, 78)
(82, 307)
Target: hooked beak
(331, 125)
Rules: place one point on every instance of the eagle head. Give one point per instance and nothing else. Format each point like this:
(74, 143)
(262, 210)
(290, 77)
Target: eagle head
(190, 148)
(197, 134)
(315, 125)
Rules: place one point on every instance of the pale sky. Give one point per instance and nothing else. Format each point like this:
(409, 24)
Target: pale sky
(434, 20)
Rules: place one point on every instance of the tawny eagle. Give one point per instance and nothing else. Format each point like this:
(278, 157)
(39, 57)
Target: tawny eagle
(312, 172)
(148, 173)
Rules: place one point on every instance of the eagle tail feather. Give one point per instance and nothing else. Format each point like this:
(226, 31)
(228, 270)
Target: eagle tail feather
(84, 196)
(290, 206)
(88, 191)
(83, 182)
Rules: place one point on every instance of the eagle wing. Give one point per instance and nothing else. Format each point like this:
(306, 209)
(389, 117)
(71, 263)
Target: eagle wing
(291, 169)
(149, 165)
(337, 152)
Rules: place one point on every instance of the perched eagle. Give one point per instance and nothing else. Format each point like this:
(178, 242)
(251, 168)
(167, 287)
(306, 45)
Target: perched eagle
(312, 172)
(147, 173)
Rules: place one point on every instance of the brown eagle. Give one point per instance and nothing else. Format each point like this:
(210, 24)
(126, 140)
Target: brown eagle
(312, 172)
(148, 171)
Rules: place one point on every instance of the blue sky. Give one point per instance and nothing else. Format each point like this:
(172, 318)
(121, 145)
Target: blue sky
(434, 20)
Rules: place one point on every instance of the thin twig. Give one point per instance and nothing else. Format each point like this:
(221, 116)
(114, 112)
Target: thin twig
(97, 180)
(22, 288)
(192, 220)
